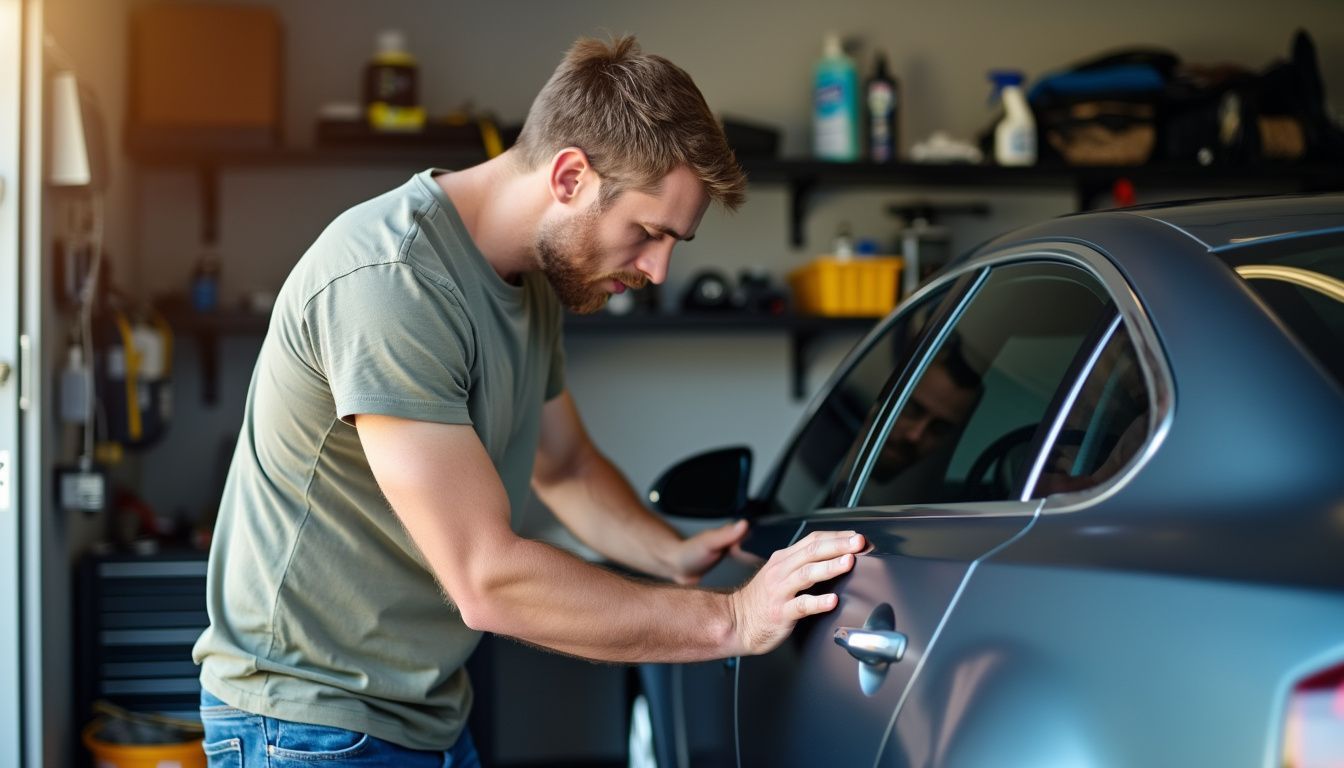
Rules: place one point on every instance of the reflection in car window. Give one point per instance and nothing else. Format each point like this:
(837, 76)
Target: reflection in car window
(810, 469)
(1105, 427)
(965, 430)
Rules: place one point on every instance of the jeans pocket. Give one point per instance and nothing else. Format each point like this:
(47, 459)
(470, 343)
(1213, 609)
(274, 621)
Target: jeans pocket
(304, 741)
(226, 753)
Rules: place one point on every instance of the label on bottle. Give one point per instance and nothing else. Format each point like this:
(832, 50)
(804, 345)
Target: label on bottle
(833, 129)
(881, 105)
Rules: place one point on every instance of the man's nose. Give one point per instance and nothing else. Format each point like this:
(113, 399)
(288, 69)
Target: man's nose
(653, 262)
(916, 429)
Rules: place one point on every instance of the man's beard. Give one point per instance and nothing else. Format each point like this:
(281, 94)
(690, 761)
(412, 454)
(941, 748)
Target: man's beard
(569, 256)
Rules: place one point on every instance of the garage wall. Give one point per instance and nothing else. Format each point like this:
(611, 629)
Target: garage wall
(651, 400)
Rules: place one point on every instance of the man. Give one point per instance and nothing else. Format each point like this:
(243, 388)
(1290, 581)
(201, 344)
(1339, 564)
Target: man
(912, 463)
(414, 360)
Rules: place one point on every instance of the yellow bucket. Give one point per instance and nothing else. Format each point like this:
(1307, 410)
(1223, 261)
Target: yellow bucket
(186, 754)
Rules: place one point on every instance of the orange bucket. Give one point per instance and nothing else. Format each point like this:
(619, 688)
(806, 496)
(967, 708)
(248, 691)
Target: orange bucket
(186, 754)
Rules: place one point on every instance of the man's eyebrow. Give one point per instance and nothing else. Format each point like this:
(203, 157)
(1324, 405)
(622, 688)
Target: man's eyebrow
(674, 234)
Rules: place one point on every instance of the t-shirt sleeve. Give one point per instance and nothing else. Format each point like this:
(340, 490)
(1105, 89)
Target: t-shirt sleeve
(392, 342)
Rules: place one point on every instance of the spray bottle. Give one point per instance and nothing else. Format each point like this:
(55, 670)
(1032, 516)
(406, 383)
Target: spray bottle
(1015, 135)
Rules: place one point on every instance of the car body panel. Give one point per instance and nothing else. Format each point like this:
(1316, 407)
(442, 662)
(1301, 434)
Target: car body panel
(1217, 224)
(810, 687)
(1060, 666)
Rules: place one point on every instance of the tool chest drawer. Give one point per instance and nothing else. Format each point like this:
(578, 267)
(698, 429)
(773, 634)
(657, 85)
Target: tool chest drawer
(138, 619)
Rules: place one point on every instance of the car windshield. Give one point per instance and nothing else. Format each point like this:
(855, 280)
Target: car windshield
(1302, 282)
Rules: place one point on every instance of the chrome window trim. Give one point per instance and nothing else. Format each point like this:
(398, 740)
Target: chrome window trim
(868, 456)
(1152, 361)
(1325, 285)
(1047, 445)
(770, 482)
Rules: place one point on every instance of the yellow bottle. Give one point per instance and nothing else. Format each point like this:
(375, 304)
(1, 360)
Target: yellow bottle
(391, 90)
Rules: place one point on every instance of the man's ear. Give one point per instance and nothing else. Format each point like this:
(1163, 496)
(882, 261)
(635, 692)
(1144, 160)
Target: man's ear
(572, 178)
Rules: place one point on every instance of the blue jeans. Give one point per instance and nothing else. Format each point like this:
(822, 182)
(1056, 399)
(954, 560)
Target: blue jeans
(238, 739)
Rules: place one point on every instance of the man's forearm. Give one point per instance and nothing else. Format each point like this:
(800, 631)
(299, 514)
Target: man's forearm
(537, 593)
(598, 505)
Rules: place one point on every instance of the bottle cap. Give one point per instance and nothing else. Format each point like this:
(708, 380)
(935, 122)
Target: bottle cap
(831, 46)
(1004, 78)
(880, 67)
(391, 41)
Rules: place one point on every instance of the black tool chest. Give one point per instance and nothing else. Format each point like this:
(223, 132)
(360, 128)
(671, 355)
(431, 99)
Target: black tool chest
(138, 617)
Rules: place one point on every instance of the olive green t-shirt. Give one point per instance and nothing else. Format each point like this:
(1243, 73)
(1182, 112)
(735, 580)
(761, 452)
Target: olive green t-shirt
(322, 610)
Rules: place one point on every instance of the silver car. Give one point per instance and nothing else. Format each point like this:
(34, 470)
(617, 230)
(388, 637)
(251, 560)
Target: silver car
(1100, 462)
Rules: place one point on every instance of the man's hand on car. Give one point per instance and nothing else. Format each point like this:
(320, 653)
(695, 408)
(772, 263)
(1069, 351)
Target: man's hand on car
(766, 608)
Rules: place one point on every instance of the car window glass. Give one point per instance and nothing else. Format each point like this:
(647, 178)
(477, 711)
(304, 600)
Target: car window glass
(817, 455)
(1301, 282)
(1106, 426)
(968, 422)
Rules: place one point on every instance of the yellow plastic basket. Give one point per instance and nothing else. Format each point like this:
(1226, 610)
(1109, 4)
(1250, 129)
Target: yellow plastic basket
(857, 287)
(187, 754)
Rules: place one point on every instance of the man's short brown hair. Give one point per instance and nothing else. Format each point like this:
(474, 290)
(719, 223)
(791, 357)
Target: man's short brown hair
(637, 116)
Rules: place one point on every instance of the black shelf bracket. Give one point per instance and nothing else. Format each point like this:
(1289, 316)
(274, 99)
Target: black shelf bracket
(799, 344)
(800, 192)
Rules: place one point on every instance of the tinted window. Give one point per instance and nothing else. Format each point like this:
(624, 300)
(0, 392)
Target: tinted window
(967, 425)
(810, 470)
(1106, 426)
(1315, 314)
(1302, 287)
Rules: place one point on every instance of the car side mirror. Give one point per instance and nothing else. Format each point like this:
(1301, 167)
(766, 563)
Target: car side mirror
(712, 484)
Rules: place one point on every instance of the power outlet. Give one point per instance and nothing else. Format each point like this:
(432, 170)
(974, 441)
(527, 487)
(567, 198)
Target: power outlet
(81, 490)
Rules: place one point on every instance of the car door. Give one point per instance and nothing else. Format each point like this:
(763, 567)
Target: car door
(934, 481)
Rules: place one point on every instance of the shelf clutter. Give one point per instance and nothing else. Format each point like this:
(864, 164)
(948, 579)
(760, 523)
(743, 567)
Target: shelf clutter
(208, 327)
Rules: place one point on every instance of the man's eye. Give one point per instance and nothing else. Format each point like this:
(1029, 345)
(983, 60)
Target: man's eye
(650, 235)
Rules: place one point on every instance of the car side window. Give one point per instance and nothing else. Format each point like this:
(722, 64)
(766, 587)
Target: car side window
(968, 422)
(1106, 426)
(815, 458)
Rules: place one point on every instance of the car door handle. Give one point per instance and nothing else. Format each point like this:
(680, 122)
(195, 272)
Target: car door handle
(872, 646)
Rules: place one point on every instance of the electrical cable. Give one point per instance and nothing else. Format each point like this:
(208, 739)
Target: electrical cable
(87, 300)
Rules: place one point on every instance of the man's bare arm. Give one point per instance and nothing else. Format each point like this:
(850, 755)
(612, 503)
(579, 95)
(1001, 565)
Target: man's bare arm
(598, 505)
(442, 485)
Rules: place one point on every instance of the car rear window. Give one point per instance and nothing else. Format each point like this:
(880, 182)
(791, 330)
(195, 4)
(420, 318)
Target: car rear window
(1303, 285)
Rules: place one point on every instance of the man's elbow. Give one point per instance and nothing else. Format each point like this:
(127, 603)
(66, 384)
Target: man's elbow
(481, 595)
(476, 615)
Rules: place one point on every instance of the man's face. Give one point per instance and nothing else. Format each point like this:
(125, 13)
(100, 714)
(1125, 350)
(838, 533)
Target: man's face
(938, 406)
(589, 255)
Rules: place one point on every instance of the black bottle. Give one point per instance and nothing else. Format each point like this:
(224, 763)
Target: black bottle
(882, 96)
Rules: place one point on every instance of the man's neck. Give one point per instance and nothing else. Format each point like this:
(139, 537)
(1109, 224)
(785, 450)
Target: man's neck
(500, 207)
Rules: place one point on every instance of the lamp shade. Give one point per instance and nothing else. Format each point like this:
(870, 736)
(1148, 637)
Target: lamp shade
(71, 165)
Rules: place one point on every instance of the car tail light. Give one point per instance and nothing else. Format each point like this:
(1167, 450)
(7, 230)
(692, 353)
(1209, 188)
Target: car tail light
(1314, 730)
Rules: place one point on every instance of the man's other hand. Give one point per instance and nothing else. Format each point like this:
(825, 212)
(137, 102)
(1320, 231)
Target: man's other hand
(766, 608)
(693, 557)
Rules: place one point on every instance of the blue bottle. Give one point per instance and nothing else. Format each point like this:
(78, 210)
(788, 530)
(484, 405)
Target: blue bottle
(835, 105)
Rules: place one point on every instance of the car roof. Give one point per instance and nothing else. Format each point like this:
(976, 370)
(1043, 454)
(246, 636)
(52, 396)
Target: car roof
(1218, 224)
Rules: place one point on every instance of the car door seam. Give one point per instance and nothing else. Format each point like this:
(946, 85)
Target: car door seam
(938, 631)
